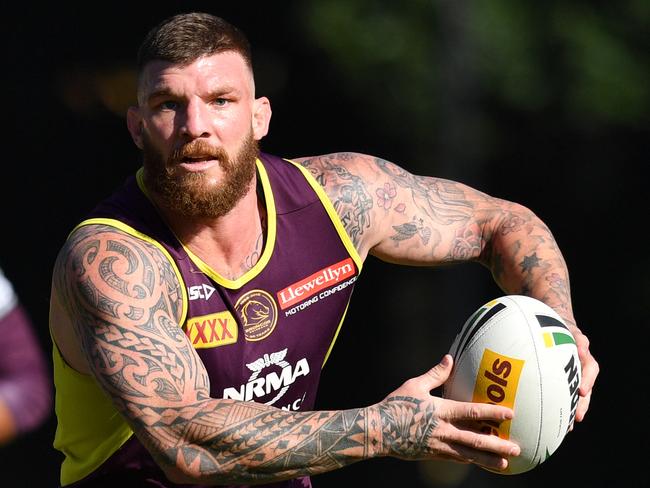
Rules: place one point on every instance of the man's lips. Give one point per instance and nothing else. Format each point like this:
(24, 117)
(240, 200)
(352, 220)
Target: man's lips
(196, 159)
(198, 164)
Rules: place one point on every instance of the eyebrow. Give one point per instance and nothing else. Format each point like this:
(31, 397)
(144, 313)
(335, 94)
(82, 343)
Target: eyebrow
(218, 91)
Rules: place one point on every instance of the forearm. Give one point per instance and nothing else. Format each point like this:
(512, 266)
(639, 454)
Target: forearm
(145, 362)
(525, 259)
(225, 441)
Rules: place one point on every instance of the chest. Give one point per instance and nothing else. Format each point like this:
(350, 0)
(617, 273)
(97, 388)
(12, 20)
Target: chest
(266, 338)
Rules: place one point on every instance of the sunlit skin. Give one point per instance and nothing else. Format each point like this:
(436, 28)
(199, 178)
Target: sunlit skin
(429, 222)
(211, 100)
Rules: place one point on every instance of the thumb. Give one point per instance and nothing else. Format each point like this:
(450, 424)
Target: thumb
(420, 386)
(437, 375)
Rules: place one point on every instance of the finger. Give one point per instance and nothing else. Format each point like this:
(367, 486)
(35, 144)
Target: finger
(590, 371)
(467, 445)
(476, 426)
(483, 442)
(481, 458)
(583, 406)
(437, 375)
(461, 411)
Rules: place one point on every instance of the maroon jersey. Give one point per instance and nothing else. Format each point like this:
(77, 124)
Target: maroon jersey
(25, 388)
(265, 336)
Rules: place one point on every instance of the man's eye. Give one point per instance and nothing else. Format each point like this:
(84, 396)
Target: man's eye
(168, 105)
(220, 102)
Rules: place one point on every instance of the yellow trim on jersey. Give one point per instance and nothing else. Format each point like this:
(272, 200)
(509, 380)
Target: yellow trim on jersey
(340, 228)
(131, 231)
(139, 178)
(336, 334)
(78, 434)
(89, 436)
(268, 245)
(334, 216)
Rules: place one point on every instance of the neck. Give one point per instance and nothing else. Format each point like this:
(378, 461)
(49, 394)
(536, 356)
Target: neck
(230, 244)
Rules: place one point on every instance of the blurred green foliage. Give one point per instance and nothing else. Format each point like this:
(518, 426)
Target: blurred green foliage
(425, 62)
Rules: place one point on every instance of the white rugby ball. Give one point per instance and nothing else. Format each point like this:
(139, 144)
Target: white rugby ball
(517, 351)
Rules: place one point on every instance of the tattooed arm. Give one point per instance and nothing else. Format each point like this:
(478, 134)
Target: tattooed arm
(418, 220)
(116, 304)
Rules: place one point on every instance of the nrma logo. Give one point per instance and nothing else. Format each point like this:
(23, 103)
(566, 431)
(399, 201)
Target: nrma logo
(280, 375)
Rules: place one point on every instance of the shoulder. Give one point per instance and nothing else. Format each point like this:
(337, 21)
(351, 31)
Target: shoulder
(110, 257)
(350, 180)
(364, 169)
(107, 281)
(89, 242)
(341, 164)
(103, 237)
(349, 175)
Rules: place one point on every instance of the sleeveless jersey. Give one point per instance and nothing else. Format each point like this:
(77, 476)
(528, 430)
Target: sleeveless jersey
(263, 337)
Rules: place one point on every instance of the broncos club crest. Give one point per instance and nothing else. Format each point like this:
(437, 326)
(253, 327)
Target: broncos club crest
(258, 313)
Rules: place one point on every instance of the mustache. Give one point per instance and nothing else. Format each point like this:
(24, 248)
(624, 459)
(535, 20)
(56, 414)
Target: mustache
(198, 149)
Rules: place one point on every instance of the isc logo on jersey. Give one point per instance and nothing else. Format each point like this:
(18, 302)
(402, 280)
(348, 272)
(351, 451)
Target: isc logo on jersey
(213, 330)
(272, 376)
(200, 291)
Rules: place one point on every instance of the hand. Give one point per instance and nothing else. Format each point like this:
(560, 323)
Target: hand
(417, 425)
(590, 370)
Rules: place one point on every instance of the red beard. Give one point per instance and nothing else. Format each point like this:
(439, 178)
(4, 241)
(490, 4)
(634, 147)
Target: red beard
(189, 194)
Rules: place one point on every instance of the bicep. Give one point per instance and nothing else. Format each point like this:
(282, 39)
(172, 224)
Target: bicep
(124, 299)
(405, 218)
(424, 220)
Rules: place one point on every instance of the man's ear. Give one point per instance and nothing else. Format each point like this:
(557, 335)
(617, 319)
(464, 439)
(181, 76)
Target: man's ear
(134, 124)
(261, 117)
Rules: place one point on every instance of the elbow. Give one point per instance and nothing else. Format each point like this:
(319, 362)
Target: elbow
(514, 221)
(178, 465)
(178, 476)
(519, 213)
(189, 464)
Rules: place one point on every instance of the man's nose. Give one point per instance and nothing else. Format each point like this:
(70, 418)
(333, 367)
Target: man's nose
(194, 122)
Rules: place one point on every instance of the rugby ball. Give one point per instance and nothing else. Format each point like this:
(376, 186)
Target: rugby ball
(517, 351)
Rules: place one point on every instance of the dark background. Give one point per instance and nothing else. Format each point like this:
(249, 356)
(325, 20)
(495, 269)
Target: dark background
(544, 103)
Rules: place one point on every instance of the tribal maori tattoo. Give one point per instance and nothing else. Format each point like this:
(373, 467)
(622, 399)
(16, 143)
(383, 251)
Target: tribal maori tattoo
(124, 299)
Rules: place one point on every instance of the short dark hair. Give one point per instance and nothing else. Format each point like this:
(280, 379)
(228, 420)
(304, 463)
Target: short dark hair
(183, 38)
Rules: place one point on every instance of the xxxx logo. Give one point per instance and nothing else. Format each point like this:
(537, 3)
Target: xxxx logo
(213, 330)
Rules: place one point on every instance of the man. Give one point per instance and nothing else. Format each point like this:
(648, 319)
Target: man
(193, 309)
